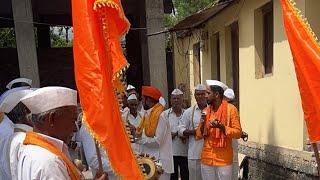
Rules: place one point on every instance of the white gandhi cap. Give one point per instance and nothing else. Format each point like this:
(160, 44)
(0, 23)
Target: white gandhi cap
(177, 92)
(48, 98)
(216, 83)
(200, 87)
(12, 99)
(130, 87)
(229, 94)
(19, 80)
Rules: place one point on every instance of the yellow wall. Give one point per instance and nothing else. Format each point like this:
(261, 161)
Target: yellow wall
(270, 107)
(279, 118)
(220, 23)
(183, 63)
(313, 15)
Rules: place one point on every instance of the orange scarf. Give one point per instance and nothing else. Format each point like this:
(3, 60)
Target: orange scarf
(216, 135)
(149, 123)
(35, 139)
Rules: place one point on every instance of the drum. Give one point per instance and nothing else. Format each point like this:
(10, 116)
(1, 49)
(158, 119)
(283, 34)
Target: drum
(149, 167)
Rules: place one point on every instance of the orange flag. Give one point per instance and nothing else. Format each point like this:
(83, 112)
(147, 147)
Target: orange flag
(306, 57)
(98, 59)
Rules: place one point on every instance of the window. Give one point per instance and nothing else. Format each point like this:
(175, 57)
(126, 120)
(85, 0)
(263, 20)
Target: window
(215, 56)
(268, 38)
(263, 34)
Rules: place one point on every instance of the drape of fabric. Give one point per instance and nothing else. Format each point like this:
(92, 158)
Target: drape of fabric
(149, 122)
(98, 60)
(37, 140)
(218, 137)
(305, 51)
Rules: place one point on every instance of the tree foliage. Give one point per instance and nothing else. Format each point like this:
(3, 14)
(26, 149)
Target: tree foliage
(58, 36)
(7, 38)
(184, 8)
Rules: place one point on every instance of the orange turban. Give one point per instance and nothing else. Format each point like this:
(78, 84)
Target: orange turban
(151, 92)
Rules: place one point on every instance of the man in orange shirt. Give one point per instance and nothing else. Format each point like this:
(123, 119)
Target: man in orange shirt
(221, 125)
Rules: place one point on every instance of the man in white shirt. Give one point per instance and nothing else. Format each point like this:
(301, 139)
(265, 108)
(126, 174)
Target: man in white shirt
(189, 122)
(45, 153)
(132, 90)
(179, 142)
(14, 120)
(154, 131)
(133, 117)
(6, 130)
(90, 152)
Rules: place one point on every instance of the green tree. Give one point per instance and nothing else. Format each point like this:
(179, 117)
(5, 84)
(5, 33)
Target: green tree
(7, 38)
(58, 38)
(184, 8)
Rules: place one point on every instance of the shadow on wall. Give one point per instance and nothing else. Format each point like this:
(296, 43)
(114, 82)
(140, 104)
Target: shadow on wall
(186, 93)
(269, 171)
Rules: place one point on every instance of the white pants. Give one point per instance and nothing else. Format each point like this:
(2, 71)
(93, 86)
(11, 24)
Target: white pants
(216, 172)
(235, 165)
(194, 166)
(164, 176)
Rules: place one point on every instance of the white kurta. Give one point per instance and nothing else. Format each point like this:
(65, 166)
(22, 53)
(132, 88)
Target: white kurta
(159, 146)
(194, 146)
(179, 148)
(6, 131)
(135, 121)
(140, 109)
(16, 147)
(190, 120)
(38, 163)
(89, 148)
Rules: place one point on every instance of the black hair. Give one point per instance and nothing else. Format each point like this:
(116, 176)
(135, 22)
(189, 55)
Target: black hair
(217, 89)
(18, 113)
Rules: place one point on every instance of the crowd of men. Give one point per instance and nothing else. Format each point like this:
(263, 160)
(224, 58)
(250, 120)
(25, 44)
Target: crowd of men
(203, 143)
(37, 126)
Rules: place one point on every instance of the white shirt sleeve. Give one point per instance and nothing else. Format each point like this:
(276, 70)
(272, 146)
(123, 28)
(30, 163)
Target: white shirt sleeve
(158, 139)
(90, 152)
(184, 122)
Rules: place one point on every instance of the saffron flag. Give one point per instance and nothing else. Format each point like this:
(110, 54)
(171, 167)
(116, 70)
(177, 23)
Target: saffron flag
(306, 57)
(98, 60)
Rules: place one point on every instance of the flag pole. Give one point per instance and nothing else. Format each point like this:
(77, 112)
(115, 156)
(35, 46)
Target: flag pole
(100, 169)
(316, 153)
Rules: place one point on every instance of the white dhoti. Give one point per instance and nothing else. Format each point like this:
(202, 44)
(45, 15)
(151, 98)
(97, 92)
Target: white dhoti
(194, 166)
(216, 172)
